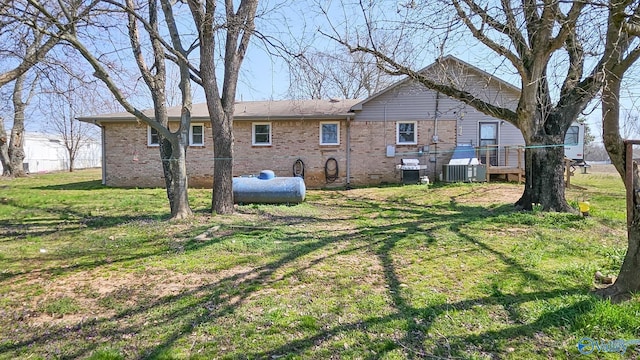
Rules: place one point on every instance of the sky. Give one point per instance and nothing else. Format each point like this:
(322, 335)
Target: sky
(264, 76)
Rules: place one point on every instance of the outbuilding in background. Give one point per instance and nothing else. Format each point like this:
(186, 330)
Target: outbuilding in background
(46, 152)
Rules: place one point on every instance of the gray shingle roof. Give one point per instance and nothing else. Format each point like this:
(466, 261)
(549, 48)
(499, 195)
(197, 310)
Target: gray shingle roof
(254, 110)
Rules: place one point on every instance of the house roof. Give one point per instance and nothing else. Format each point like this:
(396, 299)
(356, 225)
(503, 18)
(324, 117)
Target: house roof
(448, 58)
(300, 109)
(252, 110)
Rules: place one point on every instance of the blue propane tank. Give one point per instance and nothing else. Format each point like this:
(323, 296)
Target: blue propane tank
(268, 189)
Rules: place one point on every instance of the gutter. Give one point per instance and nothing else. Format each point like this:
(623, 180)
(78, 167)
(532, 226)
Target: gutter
(131, 118)
(348, 152)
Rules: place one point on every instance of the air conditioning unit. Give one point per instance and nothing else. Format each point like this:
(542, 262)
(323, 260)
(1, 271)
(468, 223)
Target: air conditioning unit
(464, 173)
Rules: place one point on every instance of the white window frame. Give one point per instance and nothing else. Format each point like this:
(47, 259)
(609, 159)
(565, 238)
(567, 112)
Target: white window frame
(337, 124)
(415, 133)
(191, 142)
(149, 143)
(253, 133)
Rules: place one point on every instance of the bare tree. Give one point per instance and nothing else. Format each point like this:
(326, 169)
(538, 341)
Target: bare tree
(531, 37)
(337, 74)
(12, 149)
(622, 38)
(172, 144)
(233, 24)
(23, 45)
(62, 108)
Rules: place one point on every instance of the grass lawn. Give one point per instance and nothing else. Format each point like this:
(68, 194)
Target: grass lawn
(374, 273)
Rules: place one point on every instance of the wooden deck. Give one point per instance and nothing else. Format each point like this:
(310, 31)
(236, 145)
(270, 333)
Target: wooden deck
(511, 172)
(516, 173)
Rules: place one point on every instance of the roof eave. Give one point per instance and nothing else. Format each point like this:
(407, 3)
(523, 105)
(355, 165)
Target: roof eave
(342, 116)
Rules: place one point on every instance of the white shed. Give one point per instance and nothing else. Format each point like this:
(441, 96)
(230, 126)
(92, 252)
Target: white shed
(46, 152)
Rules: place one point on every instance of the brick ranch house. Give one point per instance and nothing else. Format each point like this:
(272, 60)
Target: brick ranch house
(334, 142)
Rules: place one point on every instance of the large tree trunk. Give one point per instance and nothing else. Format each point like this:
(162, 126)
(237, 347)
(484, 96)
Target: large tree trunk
(238, 30)
(16, 152)
(628, 280)
(16, 142)
(175, 174)
(544, 175)
(222, 201)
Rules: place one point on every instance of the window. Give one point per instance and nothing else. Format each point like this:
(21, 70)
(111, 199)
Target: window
(196, 136)
(406, 133)
(571, 138)
(329, 133)
(261, 134)
(152, 137)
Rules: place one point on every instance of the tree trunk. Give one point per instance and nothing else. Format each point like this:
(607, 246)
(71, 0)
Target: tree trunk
(628, 280)
(16, 151)
(71, 161)
(238, 30)
(16, 142)
(222, 201)
(4, 149)
(544, 175)
(174, 166)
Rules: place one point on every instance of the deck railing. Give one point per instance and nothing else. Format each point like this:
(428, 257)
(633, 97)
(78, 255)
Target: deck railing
(501, 155)
(507, 160)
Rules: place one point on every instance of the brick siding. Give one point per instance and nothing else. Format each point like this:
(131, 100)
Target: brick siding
(130, 162)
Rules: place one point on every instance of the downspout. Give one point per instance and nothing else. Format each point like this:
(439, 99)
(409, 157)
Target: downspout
(348, 152)
(435, 130)
(103, 151)
(384, 128)
(435, 138)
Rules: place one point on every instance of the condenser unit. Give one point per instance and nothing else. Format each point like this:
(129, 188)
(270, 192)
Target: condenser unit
(464, 173)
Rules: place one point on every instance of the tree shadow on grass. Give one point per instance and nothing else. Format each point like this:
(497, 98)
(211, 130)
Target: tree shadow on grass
(412, 343)
(100, 253)
(418, 320)
(66, 223)
(170, 320)
(90, 185)
(183, 312)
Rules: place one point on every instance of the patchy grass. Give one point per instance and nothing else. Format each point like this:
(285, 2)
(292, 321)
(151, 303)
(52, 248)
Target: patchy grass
(393, 272)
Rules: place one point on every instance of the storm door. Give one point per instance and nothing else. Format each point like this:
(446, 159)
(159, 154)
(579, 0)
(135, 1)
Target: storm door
(488, 142)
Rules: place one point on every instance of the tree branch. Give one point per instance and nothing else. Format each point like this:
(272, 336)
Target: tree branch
(480, 35)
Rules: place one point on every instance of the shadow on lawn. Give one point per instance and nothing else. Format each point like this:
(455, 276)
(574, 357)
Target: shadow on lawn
(180, 315)
(79, 185)
(419, 319)
(64, 222)
(209, 301)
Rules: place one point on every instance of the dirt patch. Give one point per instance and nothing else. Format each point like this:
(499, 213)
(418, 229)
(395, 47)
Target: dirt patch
(94, 292)
(489, 194)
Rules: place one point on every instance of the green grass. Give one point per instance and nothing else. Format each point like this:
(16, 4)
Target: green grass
(393, 273)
